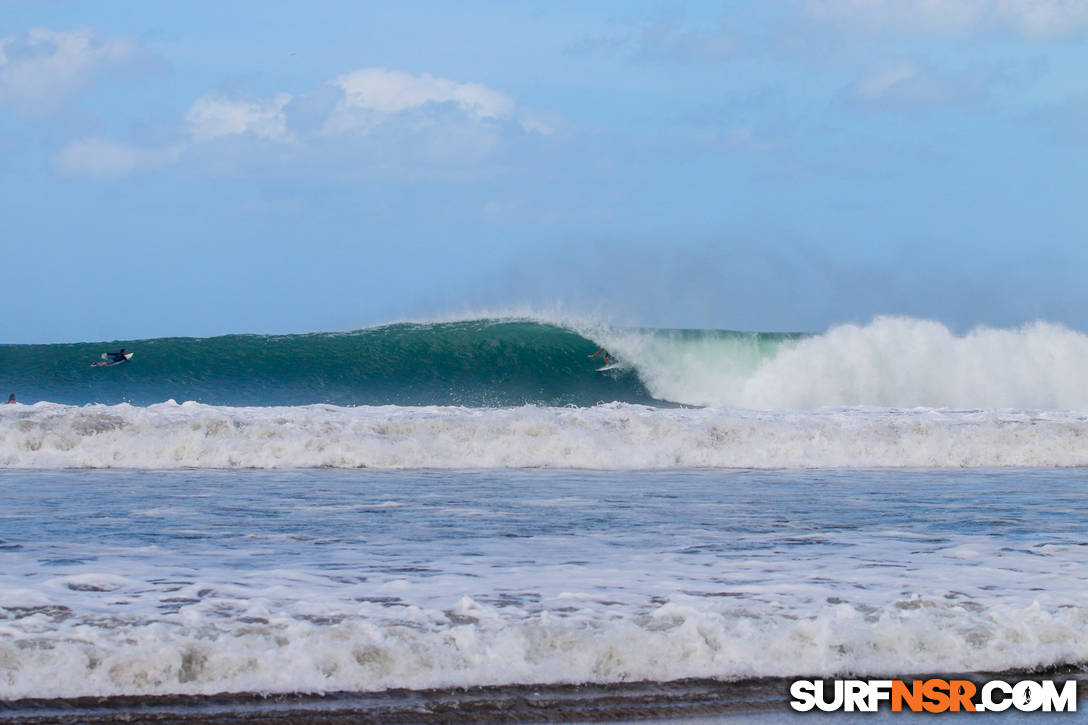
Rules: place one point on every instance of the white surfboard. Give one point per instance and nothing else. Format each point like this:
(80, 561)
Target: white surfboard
(107, 362)
(609, 366)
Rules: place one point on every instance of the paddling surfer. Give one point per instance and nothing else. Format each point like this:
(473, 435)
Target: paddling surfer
(112, 358)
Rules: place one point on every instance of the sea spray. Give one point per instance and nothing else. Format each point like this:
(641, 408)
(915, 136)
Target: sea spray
(890, 362)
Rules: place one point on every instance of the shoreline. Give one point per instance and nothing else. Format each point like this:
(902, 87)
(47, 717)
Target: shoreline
(757, 699)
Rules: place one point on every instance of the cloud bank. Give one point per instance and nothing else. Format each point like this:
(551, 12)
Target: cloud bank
(215, 116)
(41, 69)
(367, 120)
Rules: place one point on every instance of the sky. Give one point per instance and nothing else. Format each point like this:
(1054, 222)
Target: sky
(202, 168)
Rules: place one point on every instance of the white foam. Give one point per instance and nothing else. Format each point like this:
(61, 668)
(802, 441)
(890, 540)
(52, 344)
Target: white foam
(614, 436)
(290, 582)
(475, 644)
(891, 362)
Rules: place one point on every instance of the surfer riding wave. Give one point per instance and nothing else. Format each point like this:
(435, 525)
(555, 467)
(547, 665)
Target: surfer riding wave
(605, 357)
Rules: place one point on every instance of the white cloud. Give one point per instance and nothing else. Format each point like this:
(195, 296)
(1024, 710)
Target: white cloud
(105, 158)
(532, 124)
(368, 122)
(373, 95)
(906, 83)
(1038, 19)
(214, 116)
(1046, 19)
(890, 80)
(41, 68)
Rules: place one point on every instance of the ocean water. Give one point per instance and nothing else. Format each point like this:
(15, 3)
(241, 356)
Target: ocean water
(199, 582)
(889, 363)
(471, 504)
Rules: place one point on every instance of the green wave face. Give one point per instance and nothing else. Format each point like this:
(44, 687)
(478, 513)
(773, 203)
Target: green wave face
(889, 362)
(469, 363)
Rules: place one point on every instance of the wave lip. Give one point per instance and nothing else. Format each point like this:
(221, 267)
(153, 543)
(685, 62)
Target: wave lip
(615, 436)
(890, 362)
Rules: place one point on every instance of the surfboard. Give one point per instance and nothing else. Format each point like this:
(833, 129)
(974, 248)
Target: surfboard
(106, 362)
(609, 366)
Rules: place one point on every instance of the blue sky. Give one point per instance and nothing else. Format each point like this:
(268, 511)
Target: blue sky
(202, 168)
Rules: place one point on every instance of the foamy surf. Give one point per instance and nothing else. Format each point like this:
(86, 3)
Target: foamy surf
(890, 362)
(473, 645)
(154, 583)
(615, 436)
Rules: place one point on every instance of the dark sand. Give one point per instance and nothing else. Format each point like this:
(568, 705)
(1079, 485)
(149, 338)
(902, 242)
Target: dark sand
(761, 701)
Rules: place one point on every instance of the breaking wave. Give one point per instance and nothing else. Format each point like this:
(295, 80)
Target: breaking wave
(890, 362)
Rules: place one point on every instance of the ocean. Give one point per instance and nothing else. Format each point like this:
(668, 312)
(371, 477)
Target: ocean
(466, 520)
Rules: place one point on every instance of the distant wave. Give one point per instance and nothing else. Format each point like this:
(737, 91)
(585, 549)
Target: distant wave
(616, 436)
(890, 362)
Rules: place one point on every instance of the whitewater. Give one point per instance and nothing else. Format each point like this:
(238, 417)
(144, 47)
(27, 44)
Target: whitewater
(201, 582)
(890, 362)
(614, 436)
(470, 503)
(524, 393)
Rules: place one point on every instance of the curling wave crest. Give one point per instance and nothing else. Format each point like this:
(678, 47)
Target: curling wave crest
(890, 362)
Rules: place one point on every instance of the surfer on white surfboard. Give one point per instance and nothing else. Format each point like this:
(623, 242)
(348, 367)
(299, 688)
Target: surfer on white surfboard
(113, 358)
(605, 357)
